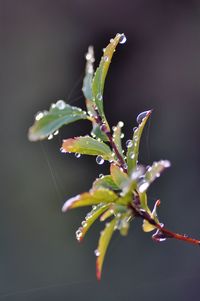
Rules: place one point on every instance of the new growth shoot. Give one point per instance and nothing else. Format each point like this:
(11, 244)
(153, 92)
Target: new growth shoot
(120, 196)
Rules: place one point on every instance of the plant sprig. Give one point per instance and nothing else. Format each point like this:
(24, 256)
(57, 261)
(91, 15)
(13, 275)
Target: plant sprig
(120, 196)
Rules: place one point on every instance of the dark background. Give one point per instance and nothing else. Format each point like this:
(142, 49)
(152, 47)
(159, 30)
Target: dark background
(42, 60)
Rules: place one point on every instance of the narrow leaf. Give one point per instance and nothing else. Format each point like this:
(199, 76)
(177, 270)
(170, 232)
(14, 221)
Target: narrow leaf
(103, 245)
(152, 173)
(120, 178)
(90, 218)
(105, 182)
(133, 145)
(117, 134)
(101, 72)
(88, 146)
(90, 198)
(47, 122)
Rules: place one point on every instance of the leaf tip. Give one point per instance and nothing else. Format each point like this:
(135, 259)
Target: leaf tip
(69, 203)
(98, 271)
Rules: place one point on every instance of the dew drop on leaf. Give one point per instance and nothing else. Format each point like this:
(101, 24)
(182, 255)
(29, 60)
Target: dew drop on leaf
(60, 104)
(50, 137)
(132, 155)
(143, 186)
(77, 155)
(122, 39)
(129, 143)
(141, 116)
(97, 253)
(39, 115)
(56, 133)
(99, 160)
(134, 128)
(84, 224)
(99, 96)
(106, 58)
(120, 124)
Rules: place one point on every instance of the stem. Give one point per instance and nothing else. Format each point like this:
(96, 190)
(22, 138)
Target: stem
(107, 132)
(168, 234)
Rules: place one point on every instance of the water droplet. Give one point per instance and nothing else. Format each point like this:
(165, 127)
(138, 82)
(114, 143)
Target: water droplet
(60, 104)
(77, 155)
(129, 143)
(122, 39)
(111, 40)
(39, 115)
(106, 58)
(166, 163)
(141, 116)
(101, 175)
(99, 96)
(96, 252)
(63, 150)
(143, 186)
(114, 128)
(79, 233)
(84, 224)
(135, 128)
(120, 124)
(50, 137)
(88, 56)
(103, 127)
(53, 106)
(56, 132)
(159, 236)
(125, 166)
(122, 135)
(88, 216)
(132, 155)
(99, 160)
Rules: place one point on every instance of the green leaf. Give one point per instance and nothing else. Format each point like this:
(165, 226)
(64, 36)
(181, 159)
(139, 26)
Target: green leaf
(103, 245)
(88, 146)
(96, 131)
(105, 182)
(47, 122)
(147, 227)
(89, 71)
(90, 218)
(133, 145)
(90, 198)
(120, 178)
(124, 224)
(107, 214)
(100, 75)
(117, 134)
(152, 173)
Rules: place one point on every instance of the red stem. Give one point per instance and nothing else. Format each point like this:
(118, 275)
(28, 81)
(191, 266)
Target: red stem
(168, 233)
(178, 236)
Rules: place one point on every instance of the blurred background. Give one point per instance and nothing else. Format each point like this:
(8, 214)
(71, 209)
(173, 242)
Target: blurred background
(42, 50)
